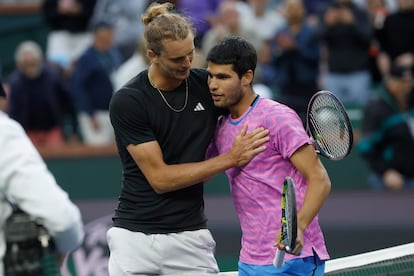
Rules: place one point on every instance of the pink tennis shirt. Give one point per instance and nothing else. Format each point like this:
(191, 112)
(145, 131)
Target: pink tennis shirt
(256, 188)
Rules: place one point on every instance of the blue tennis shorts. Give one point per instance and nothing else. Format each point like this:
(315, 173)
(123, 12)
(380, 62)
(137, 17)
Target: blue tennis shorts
(301, 267)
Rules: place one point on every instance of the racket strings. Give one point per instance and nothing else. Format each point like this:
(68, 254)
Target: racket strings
(331, 133)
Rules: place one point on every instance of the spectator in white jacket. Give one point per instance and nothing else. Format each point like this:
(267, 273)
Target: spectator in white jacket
(26, 180)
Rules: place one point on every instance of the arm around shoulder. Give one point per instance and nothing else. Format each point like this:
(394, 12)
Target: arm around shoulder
(166, 178)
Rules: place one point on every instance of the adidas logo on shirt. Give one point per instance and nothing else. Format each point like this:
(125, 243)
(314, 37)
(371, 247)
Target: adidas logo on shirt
(199, 107)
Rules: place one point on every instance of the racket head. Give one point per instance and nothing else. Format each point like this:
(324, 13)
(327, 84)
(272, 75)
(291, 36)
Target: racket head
(328, 124)
(289, 215)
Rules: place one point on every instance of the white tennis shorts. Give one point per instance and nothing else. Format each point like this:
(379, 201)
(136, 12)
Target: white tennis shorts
(184, 253)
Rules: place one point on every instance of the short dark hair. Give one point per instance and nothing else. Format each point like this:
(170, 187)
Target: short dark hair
(235, 51)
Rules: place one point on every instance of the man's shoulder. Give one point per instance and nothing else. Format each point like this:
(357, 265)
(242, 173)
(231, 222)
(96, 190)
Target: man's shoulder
(135, 90)
(276, 114)
(15, 77)
(270, 105)
(9, 125)
(90, 54)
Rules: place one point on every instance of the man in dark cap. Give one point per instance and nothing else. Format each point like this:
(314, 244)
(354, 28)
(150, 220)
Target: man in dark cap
(387, 141)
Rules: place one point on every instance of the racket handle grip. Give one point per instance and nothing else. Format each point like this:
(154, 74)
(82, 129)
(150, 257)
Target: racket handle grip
(279, 258)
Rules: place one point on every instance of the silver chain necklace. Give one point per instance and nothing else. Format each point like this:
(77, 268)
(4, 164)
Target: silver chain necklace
(165, 100)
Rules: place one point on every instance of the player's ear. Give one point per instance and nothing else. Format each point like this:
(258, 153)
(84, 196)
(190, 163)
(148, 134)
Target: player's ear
(152, 56)
(247, 78)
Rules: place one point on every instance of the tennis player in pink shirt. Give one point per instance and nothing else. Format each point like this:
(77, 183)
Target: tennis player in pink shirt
(256, 188)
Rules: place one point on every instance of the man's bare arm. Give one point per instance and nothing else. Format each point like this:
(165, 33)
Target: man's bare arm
(166, 178)
(319, 185)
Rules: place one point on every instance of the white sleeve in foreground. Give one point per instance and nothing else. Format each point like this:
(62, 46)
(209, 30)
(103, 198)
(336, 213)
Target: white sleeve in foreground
(25, 178)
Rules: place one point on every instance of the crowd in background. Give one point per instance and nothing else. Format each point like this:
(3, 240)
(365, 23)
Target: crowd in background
(61, 94)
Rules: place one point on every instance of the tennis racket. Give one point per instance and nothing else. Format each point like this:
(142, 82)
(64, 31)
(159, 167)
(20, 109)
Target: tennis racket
(329, 126)
(289, 221)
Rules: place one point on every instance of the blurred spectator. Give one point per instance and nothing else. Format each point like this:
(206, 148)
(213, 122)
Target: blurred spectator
(265, 69)
(396, 37)
(130, 68)
(200, 14)
(263, 21)
(377, 11)
(346, 34)
(125, 16)
(314, 7)
(296, 59)
(228, 24)
(37, 95)
(387, 142)
(68, 22)
(93, 86)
